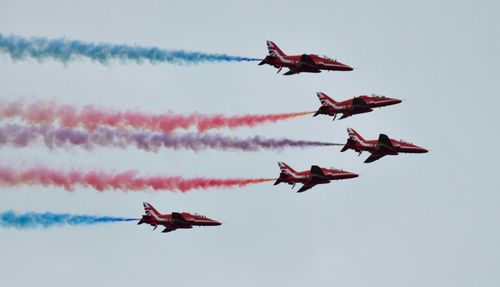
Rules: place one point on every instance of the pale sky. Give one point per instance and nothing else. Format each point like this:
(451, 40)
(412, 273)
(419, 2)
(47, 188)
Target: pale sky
(411, 220)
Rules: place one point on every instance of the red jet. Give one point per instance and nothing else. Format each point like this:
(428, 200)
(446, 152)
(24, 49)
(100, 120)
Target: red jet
(174, 220)
(354, 106)
(310, 178)
(308, 63)
(379, 148)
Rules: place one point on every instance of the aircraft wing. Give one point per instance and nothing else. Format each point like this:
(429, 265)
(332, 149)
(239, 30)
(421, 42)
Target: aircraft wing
(291, 72)
(306, 187)
(317, 173)
(373, 157)
(385, 144)
(306, 63)
(359, 104)
(169, 228)
(178, 221)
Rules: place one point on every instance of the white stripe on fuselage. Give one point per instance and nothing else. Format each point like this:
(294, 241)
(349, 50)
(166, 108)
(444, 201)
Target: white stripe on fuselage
(282, 58)
(157, 217)
(292, 173)
(327, 64)
(396, 146)
(361, 142)
(298, 176)
(168, 221)
(377, 102)
(331, 104)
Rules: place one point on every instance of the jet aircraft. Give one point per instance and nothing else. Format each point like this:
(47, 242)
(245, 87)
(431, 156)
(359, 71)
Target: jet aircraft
(379, 148)
(354, 106)
(310, 178)
(308, 63)
(175, 220)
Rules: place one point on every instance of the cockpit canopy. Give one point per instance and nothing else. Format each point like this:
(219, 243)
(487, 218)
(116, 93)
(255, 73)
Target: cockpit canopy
(326, 57)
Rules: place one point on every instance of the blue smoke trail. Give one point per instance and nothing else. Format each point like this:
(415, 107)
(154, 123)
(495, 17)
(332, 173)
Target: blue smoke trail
(48, 219)
(66, 50)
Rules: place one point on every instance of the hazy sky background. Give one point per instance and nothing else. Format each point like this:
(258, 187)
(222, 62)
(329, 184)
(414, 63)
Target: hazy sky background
(410, 220)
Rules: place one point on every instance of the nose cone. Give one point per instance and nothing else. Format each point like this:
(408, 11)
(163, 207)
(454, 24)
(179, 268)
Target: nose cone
(338, 66)
(352, 175)
(416, 149)
(347, 175)
(382, 101)
(421, 150)
(394, 101)
(214, 222)
(344, 67)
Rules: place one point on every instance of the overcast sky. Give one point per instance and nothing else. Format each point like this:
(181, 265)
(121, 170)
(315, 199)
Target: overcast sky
(411, 220)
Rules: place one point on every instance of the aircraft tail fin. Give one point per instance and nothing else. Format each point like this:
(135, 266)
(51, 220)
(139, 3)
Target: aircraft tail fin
(149, 209)
(324, 99)
(274, 50)
(354, 136)
(286, 169)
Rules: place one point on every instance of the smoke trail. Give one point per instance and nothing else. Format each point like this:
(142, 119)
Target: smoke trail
(90, 117)
(126, 181)
(21, 136)
(64, 50)
(49, 219)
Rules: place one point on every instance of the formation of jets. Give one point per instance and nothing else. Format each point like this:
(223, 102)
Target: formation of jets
(310, 63)
(306, 63)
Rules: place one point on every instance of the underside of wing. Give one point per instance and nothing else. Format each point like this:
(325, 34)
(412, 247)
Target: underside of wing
(307, 64)
(373, 157)
(360, 106)
(384, 145)
(178, 221)
(317, 173)
(345, 115)
(169, 228)
(306, 187)
(291, 72)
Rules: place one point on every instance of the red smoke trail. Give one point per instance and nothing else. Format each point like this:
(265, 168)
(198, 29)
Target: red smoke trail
(126, 181)
(90, 117)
